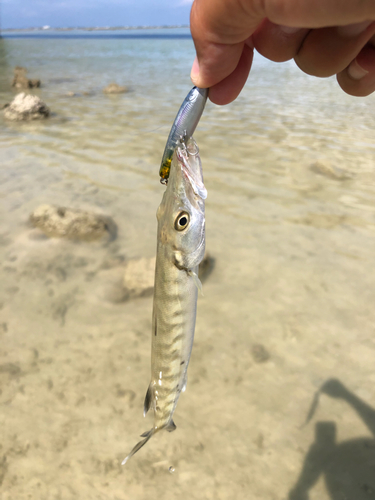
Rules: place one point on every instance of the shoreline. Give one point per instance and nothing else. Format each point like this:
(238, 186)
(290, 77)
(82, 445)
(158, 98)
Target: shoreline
(93, 28)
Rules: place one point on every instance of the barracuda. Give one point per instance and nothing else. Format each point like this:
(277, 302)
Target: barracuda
(183, 126)
(180, 249)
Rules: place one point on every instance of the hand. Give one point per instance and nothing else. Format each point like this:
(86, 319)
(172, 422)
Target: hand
(325, 37)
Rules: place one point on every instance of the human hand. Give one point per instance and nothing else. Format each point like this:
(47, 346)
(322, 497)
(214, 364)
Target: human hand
(325, 37)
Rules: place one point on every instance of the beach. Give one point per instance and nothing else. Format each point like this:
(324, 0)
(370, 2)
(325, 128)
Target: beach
(287, 311)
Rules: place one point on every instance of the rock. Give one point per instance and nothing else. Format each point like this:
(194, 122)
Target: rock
(328, 170)
(139, 276)
(26, 107)
(260, 353)
(34, 83)
(20, 80)
(71, 223)
(113, 88)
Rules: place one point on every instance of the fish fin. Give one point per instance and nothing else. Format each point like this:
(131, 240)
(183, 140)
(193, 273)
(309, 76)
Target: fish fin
(148, 400)
(196, 280)
(171, 426)
(148, 435)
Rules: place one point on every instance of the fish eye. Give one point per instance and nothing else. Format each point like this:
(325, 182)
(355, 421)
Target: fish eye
(182, 221)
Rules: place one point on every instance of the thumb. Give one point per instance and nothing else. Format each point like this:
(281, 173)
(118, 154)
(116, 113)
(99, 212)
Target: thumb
(219, 30)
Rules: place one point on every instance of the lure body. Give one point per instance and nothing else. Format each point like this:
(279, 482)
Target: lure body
(183, 126)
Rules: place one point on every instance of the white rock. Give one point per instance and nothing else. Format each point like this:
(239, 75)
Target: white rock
(26, 107)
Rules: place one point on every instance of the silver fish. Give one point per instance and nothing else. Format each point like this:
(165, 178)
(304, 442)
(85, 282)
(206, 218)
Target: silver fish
(180, 249)
(183, 126)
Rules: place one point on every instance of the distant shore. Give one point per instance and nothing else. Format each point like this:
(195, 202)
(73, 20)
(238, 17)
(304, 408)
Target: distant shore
(95, 28)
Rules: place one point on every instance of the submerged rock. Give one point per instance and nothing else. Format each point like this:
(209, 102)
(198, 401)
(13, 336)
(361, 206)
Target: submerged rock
(113, 88)
(138, 278)
(259, 353)
(328, 170)
(20, 80)
(26, 107)
(62, 222)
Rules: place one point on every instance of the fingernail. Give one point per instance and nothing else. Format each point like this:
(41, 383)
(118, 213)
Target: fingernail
(289, 30)
(353, 29)
(356, 71)
(195, 70)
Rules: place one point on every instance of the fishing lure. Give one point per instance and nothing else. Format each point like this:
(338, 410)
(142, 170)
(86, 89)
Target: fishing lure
(183, 127)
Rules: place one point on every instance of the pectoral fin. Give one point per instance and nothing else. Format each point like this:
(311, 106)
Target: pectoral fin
(196, 280)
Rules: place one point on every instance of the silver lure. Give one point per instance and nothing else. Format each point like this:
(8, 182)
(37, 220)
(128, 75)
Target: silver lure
(180, 249)
(183, 126)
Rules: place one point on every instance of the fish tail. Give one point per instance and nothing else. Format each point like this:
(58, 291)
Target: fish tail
(147, 435)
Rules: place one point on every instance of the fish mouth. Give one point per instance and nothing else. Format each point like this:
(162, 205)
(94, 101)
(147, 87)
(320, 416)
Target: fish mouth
(191, 167)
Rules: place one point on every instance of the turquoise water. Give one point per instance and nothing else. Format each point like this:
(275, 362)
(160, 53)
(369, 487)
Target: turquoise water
(289, 169)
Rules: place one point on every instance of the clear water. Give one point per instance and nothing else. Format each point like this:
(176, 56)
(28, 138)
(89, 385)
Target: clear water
(294, 272)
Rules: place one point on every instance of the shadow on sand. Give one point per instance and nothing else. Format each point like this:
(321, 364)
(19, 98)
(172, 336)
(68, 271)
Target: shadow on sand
(348, 467)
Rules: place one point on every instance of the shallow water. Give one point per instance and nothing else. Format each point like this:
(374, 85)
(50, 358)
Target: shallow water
(289, 169)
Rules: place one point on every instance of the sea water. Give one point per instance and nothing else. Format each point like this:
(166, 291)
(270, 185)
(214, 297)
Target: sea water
(288, 306)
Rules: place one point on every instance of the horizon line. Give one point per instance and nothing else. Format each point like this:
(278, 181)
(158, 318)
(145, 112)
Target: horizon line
(95, 28)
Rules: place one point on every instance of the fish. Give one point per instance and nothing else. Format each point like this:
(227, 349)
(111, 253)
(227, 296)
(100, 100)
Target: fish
(183, 126)
(180, 249)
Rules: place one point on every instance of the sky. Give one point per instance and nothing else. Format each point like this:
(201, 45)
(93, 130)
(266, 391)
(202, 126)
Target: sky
(86, 13)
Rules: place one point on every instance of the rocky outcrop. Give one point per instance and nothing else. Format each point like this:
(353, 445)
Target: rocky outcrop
(113, 88)
(62, 222)
(26, 107)
(20, 80)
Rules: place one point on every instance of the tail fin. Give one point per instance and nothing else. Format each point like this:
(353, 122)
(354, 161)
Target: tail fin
(147, 435)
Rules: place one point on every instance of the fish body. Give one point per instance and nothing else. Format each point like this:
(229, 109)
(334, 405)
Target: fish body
(183, 126)
(180, 249)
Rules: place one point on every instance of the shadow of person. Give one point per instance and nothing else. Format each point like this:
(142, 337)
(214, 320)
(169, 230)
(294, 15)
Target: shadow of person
(348, 468)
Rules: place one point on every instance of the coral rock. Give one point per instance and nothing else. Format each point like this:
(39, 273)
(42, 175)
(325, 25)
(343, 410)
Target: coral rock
(71, 223)
(113, 88)
(26, 107)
